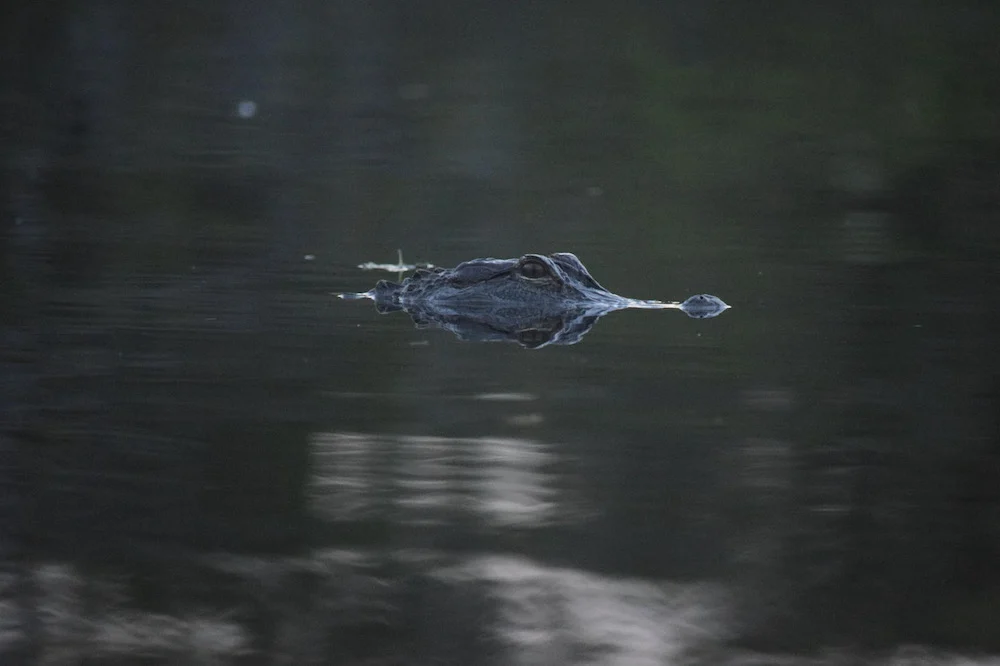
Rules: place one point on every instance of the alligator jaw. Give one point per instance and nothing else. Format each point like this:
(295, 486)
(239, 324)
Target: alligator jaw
(700, 306)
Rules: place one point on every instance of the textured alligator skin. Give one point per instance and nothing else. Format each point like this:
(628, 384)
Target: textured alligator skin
(535, 300)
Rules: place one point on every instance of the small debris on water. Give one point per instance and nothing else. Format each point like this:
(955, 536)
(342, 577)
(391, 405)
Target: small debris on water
(246, 108)
(309, 257)
(398, 267)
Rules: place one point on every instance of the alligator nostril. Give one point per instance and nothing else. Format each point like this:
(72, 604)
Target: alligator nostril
(703, 306)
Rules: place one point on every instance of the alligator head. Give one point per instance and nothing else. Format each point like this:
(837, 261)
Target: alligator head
(535, 300)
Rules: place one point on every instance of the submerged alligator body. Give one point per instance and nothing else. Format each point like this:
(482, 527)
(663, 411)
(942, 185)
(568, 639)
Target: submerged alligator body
(536, 300)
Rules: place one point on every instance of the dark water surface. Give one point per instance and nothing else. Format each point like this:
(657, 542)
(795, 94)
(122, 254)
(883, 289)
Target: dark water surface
(206, 458)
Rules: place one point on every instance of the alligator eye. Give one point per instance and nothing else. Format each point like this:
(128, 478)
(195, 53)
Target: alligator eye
(533, 269)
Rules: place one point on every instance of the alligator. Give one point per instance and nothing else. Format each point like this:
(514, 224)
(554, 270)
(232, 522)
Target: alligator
(536, 300)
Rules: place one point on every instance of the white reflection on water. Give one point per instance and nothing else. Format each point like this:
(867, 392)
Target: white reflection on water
(72, 613)
(550, 615)
(432, 480)
(529, 613)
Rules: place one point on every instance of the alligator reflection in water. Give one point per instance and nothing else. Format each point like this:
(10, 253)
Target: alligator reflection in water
(536, 300)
